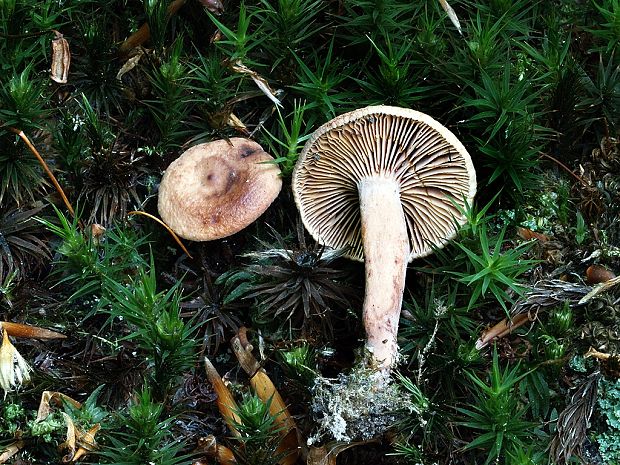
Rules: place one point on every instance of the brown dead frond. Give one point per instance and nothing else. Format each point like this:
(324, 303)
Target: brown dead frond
(574, 421)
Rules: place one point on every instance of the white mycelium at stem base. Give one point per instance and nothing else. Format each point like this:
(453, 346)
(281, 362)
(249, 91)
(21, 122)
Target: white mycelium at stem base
(386, 253)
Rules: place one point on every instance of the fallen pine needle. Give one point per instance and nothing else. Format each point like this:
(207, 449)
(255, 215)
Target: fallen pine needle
(36, 153)
(172, 233)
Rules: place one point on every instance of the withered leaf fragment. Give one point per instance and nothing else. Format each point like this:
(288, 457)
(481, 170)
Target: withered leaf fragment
(214, 6)
(61, 59)
(574, 421)
(451, 14)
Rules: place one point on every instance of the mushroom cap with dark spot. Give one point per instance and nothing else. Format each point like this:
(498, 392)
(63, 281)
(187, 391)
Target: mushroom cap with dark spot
(216, 189)
(432, 167)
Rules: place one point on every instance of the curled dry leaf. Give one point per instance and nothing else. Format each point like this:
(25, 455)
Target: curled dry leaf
(214, 6)
(70, 441)
(528, 235)
(53, 397)
(130, 64)
(28, 331)
(86, 442)
(61, 59)
(222, 454)
(14, 370)
(260, 81)
(77, 443)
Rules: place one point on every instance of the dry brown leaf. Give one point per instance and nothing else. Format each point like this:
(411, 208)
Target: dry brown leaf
(61, 59)
(225, 401)
(69, 443)
(222, 454)
(86, 442)
(130, 64)
(29, 331)
(528, 235)
(49, 397)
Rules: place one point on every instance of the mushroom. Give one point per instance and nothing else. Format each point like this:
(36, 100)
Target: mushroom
(385, 183)
(216, 189)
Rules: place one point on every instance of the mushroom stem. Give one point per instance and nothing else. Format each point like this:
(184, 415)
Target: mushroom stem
(386, 254)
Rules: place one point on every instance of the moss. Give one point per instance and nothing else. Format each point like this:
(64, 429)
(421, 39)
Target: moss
(359, 405)
(609, 405)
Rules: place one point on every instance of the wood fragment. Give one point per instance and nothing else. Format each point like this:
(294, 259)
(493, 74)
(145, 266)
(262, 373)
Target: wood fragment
(212, 448)
(502, 329)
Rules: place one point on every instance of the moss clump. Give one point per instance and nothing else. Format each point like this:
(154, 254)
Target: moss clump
(359, 405)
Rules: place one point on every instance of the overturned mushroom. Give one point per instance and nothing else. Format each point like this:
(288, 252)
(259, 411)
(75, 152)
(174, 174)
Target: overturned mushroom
(216, 189)
(383, 181)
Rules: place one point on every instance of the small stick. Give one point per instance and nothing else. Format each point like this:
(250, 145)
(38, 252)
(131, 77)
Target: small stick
(172, 233)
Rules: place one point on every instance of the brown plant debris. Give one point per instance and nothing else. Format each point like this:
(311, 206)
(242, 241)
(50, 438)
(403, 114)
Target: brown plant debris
(574, 421)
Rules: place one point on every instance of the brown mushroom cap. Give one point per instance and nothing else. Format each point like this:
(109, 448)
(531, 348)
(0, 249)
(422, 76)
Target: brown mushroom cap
(424, 157)
(216, 189)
